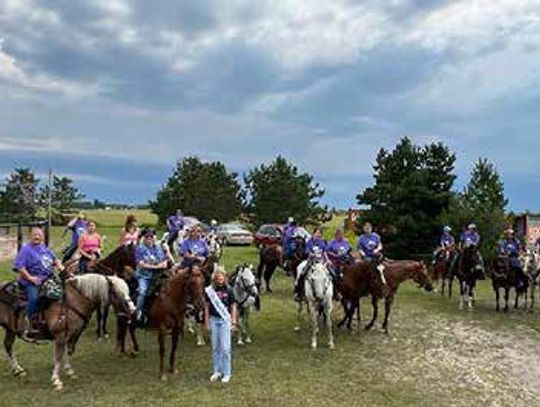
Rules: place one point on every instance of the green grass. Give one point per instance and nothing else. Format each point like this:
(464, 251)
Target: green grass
(429, 359)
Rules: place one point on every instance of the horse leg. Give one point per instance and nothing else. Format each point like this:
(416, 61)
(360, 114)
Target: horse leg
(104, 322)
(516, 298)
(314, 325)
(59, 351)
(345, 313)
(161, 343)
(462, 294)
(328, 317)
(375, 311)
(245, 319)
(121, 331)
(132, 329)
(299, 316)
(268, 273)
(9, 340)
(199, 332)
(450, 283)
(68, 368)
(387, 309)
(533, 289)
(358, 315)
(174, 345)
(506, 297)
(443, 284)
(470, 296)
(496, 288)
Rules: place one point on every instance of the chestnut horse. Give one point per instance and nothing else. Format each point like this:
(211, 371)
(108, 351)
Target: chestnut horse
(64, 320)
(167, 312)
(360, 280)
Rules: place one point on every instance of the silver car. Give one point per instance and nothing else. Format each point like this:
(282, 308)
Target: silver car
(233, 233)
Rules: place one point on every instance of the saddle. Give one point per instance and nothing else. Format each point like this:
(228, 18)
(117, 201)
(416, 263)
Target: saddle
(157, 282)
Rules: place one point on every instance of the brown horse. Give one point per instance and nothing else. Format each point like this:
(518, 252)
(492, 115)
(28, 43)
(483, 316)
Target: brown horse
(270, 257)
(505, 276)
(441, 270)
(360, 280)
(168, 311)
(65, 320)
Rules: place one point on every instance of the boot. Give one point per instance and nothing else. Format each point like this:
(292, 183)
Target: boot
(31, 330)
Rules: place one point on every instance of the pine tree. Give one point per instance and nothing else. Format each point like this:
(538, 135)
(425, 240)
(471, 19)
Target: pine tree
(278, 190)
(20, 199)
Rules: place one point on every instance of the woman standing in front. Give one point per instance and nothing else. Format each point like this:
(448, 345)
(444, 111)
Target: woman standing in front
(89, 247)
(220, 320)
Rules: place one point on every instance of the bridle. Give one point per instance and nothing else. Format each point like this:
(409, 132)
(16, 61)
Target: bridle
(248, 288)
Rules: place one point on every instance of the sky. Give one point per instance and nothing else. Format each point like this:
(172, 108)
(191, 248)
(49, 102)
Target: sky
(113, 92)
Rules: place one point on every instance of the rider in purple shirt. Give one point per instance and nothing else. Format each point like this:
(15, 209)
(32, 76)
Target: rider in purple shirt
(78, 227)
(369, 244)
(193, 249)
(175, 223)
(338, 249)
(34, 263)
(510, 247)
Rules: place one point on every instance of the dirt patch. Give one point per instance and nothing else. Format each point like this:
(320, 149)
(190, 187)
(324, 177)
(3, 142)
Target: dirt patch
(8, 248)
(498, 368)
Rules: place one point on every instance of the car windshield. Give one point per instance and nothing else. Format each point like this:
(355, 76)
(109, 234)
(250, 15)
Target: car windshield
(232, 228)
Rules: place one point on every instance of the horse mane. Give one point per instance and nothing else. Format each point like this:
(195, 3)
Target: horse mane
(93, 286)
(111, 261)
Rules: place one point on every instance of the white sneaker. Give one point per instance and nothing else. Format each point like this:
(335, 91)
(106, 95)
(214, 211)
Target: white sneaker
(225, 379)
(215, 377)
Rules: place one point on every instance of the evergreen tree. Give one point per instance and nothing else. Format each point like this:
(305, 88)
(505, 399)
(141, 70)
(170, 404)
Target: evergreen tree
(412, 188)
(204, 190)
(278, 190)
(20, 199)
(63, 197)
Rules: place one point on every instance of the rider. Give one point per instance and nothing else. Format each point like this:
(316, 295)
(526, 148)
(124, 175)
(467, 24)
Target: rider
(338, 250)
(370, 249)
(131, 233)
(149, 258)
(175, 223)
(315, 249)
(89, 247)
(193, 249)
(447, 242)
(77, 226)
(471, 237)
(213, 227)
(510, 247)
(289, 232)
(34, 263)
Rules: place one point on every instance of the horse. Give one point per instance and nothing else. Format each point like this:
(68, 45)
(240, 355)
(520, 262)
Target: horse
(122, 263)
(318, 290)
(441, 270)
(504, 276)
(64, 320)
(467, 274)
(214, 247)
(270, 257)
(298, 255)
(360, 280)
(167, 312)
(530, 263)
(246, 293)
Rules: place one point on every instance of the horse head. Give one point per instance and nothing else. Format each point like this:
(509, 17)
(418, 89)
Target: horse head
(246, 286)
(319, 282)
(119, 297)
(421, 276)
(194, 285)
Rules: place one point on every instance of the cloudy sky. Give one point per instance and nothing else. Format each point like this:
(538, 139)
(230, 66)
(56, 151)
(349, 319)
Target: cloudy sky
(112, 92)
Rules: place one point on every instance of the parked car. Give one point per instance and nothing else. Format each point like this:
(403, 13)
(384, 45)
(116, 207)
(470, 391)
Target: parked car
(273, 234)
(234, 234)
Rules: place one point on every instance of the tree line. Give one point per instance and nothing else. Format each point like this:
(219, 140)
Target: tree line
(24, 196)
(268, 193)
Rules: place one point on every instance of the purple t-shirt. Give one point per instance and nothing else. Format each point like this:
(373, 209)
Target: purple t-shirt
(338, 248)
(78, 229)
(197, 247)
(38, 260)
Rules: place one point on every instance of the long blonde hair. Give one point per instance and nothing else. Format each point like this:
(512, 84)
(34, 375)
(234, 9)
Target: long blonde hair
(218, 271)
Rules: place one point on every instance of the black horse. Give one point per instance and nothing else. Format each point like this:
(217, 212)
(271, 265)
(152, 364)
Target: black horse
(506, 275)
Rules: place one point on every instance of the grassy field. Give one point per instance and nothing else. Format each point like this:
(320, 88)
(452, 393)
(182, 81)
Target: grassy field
(435, 355)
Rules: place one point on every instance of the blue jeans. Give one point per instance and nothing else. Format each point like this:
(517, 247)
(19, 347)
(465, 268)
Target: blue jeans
(31, 292)
(144, 283)
(220, 336)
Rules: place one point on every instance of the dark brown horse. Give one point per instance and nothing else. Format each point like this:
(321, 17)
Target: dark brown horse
(504, 276)
(65, 320)
(467, 273)
(270, 257)
(441, 270)
(168, 311)
(360, 280)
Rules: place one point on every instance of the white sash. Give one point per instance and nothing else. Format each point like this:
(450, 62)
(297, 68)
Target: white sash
(218, 304)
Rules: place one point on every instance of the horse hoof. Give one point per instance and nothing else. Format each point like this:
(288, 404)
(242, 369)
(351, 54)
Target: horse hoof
(313, 346)
(20, 373)
(58, 385)
(106, 336)
(163, 378)
(296, 329)
(175, 372)
(248, 340)
(331, 346)
(201, 343)
(240, 343)
(71, 374)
